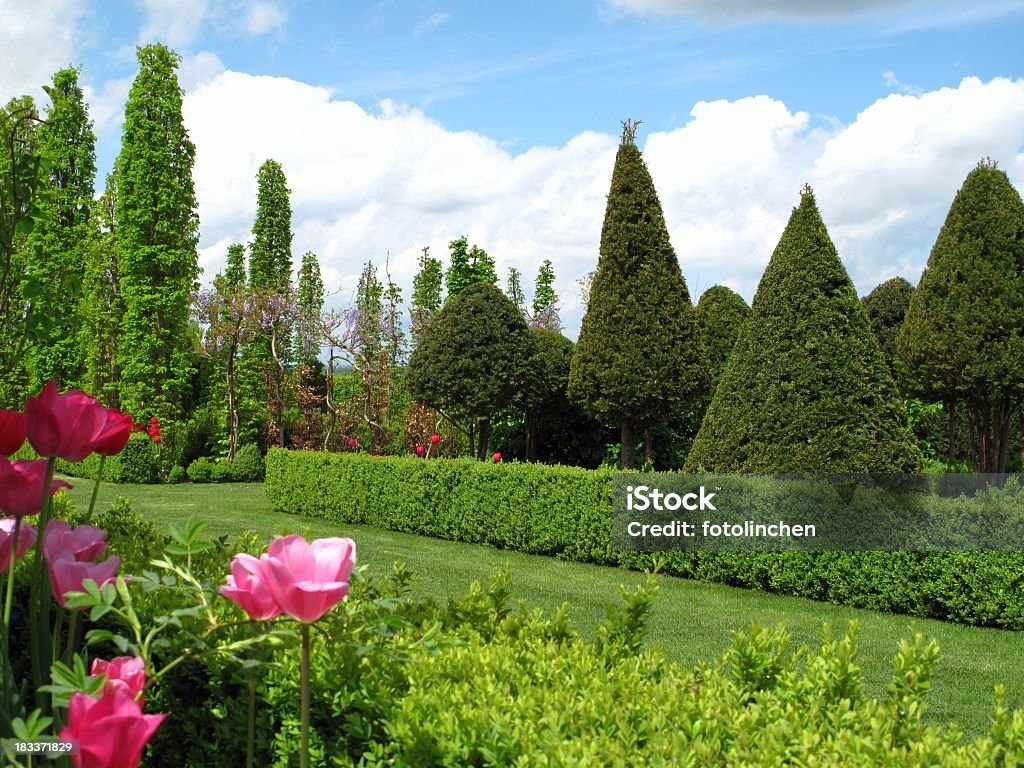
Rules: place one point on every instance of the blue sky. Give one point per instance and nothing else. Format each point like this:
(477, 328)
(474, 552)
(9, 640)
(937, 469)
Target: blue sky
(404, 123)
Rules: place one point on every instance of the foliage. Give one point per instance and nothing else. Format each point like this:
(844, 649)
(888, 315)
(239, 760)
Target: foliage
(886, 306)
(963, 337)
(157, 233)
(544, 295)
(249, 466)
(473, 359)
(806, 388)
(468, 265)
(270, 254)
(58, 246)
(137, 463)
(177, 475)
(638, 355)
(427, 288)
(721, 313)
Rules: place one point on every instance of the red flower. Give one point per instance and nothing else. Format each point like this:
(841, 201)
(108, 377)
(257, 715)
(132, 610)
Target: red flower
(497, 457)
(156, 438)
(12, 431)
(125, 672)
(420, 450)
(353, 443)
(26, 538)
(115, 434)
(435, 438)
(64, 425)
(111, 730)
(21, 486)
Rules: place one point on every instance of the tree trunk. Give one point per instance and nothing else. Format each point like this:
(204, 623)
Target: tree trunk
(627, 455)
(531, 436)
(485, 430)
(232, 407)
(472, 440)
(649, 445)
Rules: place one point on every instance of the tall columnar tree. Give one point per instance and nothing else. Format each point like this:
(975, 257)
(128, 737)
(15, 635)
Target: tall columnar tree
(270, 258)
(544, 394)
(515, 289)
(59, 245)
(963, 337)
(721, 313)
(806, 388)
(638, 357)
(102, 309)
(886, 306)
(545, 299)
(157, 225)
(234, 271)
(310, 305)
(468, 265)
(22, 168)
(472, 360)
(427, 291)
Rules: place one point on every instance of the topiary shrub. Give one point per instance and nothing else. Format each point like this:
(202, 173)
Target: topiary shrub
(177, 475)
(137, 463)
(249, 466)
(201, 470)
(221, 472)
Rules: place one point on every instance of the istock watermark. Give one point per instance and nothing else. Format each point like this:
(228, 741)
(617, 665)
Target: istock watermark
(669, 511)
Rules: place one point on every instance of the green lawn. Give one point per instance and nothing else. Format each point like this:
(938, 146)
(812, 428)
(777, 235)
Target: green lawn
(691, 621)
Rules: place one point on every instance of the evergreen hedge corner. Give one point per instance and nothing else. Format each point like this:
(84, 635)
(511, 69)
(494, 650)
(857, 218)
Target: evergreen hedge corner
(638, 358)
(806, 388)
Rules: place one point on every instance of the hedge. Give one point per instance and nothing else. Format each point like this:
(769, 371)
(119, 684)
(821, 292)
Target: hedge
(565, 512)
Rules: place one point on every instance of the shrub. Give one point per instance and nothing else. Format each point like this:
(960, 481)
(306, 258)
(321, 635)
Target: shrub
(249, 466)
(201, 470)
(177, 474)
(221, 472)
(137, 463)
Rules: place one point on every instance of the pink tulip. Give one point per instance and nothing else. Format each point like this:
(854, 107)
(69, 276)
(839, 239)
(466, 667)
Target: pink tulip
(118, 428)
(26, 538)
(435, 438)
(307, 580)
(497, 457)
(420, 450)
(353, 443)
(125, 672)
(111, 730)
(84, 543)
(21, 486)
(68, 575)
(12, 432)
(246, 587)
(64, 425)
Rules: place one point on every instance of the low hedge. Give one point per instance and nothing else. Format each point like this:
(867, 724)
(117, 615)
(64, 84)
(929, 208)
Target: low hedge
(564, 512)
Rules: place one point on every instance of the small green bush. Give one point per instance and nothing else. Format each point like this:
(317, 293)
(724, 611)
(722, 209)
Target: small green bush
(201, 470)
(249, 466)
(137, 463)
(221, 472)
(177, 474)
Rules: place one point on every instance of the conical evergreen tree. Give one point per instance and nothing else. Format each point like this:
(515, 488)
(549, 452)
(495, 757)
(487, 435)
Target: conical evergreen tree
(886, 307)
(963, 337)
(270, 258)
(721, 313)
(806, 388)
(638, 357)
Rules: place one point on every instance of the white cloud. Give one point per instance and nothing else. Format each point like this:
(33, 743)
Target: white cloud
(180, 23)
(261, 17)
(36, 40)
(368, 184)
(432, 22)
(751, 9)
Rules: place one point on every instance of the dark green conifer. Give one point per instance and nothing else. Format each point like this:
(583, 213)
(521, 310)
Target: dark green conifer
(806, 388)
(270, 258)
(721, 313)
(638, 357)
(886, 306)
(963, 337)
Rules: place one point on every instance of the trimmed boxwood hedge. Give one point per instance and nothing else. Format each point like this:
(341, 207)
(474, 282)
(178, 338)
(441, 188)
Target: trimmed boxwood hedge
(565, 512)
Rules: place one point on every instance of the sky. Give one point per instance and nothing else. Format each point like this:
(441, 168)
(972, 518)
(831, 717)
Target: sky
(402, 124)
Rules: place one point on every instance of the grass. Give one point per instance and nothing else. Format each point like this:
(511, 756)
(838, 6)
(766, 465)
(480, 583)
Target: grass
(691, 622)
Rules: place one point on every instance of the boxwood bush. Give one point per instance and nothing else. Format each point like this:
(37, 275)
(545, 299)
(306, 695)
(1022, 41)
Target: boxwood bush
(565, 512)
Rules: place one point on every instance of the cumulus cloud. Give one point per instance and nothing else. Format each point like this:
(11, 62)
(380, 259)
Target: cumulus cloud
(751, 9)
(36, 40)
(371, 184)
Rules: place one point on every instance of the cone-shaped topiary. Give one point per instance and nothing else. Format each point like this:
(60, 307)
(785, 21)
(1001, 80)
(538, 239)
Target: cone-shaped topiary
(963, 337)
(638, 357)
(721, 313)
(806, 388)
(886, 306)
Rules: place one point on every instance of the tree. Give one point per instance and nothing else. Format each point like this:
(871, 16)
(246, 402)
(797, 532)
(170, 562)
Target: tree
(468, 265)
(102, 309)
(58, 247)
(806, 388)
(157, 227)
(270, 257)
(472, 360)
(427, 287)
(720, 316)
(515, 289)
(963, 336)
(310, 306)
(886, 306)
(544, 392)
(545, 300)
(638, 356)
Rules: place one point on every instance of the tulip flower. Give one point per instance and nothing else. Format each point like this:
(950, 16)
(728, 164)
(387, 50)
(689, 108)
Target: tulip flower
(12, 432)
(497, 457)
(68, 575)
(111, 731)
(65, 426)
(26, 538)
(353, 443)
(420, 450)
(307, 580)
(435, 438)
(115, 434)
(125, 672)
(246, 587)
(84, 543)
(21, 486)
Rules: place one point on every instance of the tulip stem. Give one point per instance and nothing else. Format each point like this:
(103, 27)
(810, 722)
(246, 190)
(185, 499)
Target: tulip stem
(39, 595)
(72, 637)
(6, 629)
(58, 628)
(96, 487)
(250, 742)
(304, 701)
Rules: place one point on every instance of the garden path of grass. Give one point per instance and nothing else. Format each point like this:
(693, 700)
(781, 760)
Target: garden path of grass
(691, 621)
